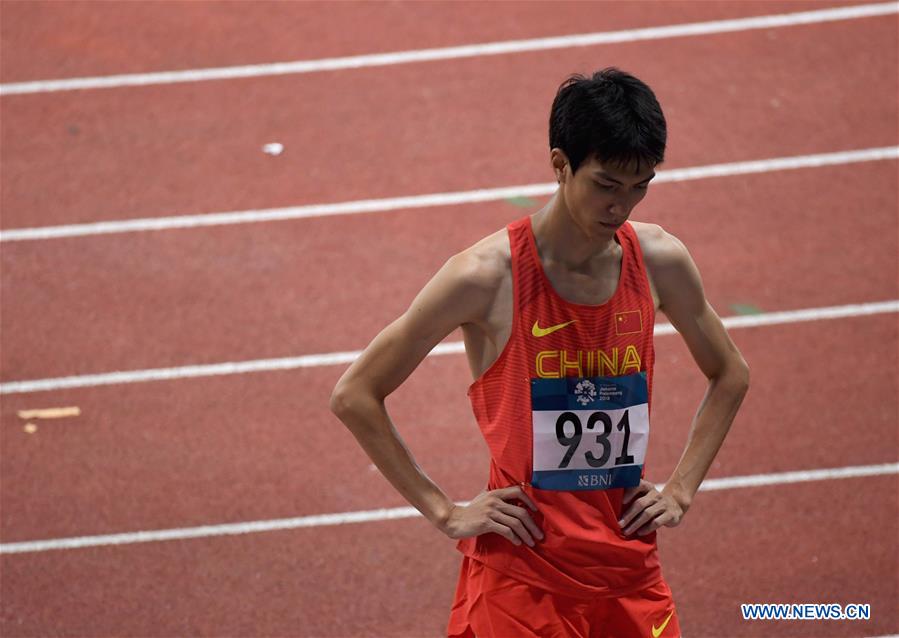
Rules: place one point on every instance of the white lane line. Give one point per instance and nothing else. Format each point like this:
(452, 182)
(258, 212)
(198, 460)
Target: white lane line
(452, 347)
(434, 199)
(369, 516)
(448, 53)
(762, 480)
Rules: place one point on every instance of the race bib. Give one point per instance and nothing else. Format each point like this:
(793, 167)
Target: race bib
(590, 433)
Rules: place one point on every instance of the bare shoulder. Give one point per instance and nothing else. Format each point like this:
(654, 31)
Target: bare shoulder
(660, 248)
(486, 264)
(669, 266)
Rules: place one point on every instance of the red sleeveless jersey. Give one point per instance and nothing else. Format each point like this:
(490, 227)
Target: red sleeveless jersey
(583, 553)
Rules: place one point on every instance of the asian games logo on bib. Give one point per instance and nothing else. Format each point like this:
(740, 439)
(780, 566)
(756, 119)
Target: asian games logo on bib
(585, 392)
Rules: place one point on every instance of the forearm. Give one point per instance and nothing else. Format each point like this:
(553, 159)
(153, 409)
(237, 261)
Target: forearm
(710, 425)
(372, 427)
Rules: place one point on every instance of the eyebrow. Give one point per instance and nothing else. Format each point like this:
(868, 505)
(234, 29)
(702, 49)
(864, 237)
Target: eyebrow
(605, 175)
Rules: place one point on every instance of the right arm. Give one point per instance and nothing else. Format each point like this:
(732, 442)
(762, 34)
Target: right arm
(460, 292)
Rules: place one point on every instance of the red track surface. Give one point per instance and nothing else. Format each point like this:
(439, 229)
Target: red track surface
(144, 300)
(263, 446)
(253, 447)
(409, 129)
(125, 38)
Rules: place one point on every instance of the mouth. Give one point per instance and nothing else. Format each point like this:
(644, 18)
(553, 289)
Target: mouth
(609, 226)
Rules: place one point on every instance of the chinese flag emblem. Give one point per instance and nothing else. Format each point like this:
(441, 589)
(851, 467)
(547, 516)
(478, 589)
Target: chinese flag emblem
(628, 323)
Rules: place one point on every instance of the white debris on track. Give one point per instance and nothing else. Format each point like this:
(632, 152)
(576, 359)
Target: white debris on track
(273, 148)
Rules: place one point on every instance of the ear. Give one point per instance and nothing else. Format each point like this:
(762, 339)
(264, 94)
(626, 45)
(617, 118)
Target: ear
(559, 162)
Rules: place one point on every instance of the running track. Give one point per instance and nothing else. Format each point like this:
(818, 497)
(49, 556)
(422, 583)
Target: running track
(212, 450)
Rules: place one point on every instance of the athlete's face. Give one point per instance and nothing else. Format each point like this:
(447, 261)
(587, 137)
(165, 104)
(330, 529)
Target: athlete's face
(600, 197)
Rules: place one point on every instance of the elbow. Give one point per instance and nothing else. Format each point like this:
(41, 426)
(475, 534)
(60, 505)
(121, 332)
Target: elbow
(741, 376)
(353, 404)
(734, 376)
(340, 401)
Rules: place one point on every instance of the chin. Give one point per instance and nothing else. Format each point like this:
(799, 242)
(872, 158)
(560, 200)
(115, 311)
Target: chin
(605, 231)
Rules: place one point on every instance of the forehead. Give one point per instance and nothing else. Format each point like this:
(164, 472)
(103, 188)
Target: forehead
(629, 171)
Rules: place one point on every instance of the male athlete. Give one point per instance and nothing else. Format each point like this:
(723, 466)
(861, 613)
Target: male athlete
(557, 313)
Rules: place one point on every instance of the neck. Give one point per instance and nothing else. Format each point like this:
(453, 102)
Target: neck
(560, 240)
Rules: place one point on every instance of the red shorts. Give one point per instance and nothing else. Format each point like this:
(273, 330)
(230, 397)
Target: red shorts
(489, 604)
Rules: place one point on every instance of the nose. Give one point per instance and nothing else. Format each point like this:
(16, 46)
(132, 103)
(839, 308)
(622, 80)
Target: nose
(619, 209)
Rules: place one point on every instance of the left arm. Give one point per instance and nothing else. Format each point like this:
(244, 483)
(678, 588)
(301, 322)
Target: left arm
(682, 299)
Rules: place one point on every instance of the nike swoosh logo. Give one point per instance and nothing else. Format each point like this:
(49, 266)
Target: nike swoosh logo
(537, 331)
(658, 632)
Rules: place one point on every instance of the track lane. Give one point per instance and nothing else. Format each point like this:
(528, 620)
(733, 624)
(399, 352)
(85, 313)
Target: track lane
(265, 446)
(174, 298)
(415, 131)
(126, 40)
(285, 583)
(805, 543)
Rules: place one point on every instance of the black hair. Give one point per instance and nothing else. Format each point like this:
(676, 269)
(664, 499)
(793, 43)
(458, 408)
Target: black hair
(612, 116)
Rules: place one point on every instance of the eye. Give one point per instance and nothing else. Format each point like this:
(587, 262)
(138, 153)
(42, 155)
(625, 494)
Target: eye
(642, 187)
(605, 187)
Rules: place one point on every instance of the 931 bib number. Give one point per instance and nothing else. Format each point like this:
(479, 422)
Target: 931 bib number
(602, 438)
(589, 433)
